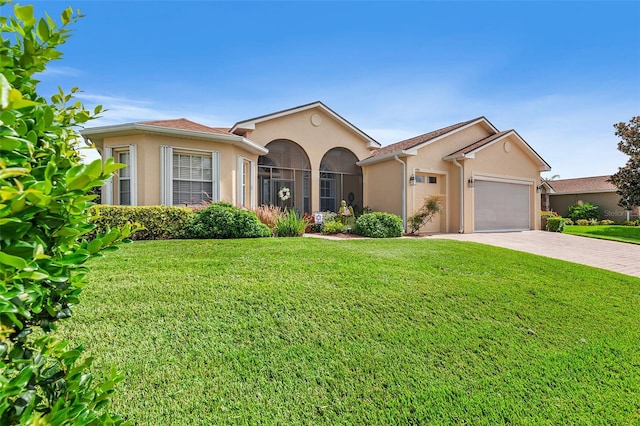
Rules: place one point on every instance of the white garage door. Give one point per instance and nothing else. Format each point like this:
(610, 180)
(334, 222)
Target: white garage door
(501, 206)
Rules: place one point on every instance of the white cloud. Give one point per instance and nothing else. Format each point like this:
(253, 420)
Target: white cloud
(60, 71)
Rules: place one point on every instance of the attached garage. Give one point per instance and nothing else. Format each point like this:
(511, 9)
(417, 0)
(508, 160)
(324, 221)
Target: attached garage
(501, 205)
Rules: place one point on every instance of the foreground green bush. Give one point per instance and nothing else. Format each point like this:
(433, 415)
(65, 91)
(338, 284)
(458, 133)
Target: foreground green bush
(224, 220)
(45, 195)
(379, 225)
(158, 222)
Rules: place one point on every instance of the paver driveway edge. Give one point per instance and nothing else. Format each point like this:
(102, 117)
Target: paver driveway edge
(611, 255)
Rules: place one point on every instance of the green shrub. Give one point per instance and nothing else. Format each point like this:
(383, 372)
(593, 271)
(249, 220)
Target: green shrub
(290, 225)
(45, 195)
(607, 222)
(158, 222)
(584, 211)
(567, 221)
(594, 222)
(379, 225)
(432, 206)
(582, 222)
(316, 227)
(333, 227)
(555, 224)
(224, 220)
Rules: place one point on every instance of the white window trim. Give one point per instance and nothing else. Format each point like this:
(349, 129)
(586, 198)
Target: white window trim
(166, 172)
(108, 195)
(239, 170)
(107, 189)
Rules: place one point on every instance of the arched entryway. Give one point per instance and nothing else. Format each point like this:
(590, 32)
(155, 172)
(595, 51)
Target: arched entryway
(340, 179)
(285, 166)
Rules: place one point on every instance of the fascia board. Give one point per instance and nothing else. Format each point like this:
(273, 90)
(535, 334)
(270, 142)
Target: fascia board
(240, 141)
(251, 123)
(454, 131)
(384, 157)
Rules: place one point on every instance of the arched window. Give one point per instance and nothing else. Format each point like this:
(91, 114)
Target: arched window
(285, 166)
(340, 179)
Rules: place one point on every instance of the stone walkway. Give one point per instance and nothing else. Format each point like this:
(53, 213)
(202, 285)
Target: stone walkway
(611, 255)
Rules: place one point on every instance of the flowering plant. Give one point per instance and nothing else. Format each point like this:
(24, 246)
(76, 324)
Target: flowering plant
(284, 194)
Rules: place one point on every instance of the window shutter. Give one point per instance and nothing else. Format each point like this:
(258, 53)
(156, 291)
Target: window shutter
(107, 189)
(133, 173)
(215, 158)
(166, 175)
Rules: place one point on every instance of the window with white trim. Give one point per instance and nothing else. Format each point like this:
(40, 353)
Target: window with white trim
(192, 181)
(124, 179)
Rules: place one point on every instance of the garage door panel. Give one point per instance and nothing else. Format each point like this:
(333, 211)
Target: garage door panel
(501, 206)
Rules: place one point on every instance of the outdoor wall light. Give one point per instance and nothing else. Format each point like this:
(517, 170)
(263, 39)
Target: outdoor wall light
(470, 182)
(412, 180)
(539, 189)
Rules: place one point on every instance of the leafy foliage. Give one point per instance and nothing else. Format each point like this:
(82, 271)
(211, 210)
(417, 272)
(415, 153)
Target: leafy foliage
(584, 211)
(432, 206)
(45, 195)
(627, 178)
(224, 220)
(379, 225)
(555, 224)
(157, 222)
(290, 225)
(332, 227)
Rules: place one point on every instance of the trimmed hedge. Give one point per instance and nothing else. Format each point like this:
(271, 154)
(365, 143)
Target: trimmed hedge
(224, 220)
(555, 224)
(379, 225)
(159, 222)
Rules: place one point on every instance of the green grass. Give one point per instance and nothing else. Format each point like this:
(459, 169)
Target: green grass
(370, 332)
(625, 234)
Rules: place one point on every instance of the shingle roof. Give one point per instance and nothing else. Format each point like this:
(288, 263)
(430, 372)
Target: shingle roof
(418, 140)
(480, 143)
(184, 124)
(586, 184)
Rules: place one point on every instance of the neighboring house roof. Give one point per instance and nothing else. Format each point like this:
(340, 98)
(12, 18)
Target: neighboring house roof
(582, 185)
(180, 127)
(242, 127)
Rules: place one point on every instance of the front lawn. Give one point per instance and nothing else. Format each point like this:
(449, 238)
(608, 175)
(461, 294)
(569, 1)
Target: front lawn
(375, 332)
(626, 234)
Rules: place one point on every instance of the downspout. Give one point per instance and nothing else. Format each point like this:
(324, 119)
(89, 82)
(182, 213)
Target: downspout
(461, 167)
(404, 191)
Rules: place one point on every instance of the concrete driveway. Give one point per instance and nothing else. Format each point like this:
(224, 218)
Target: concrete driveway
(611, 255)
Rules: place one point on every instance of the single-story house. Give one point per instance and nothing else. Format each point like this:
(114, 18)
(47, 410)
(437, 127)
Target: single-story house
(489, 178)
(596, 190)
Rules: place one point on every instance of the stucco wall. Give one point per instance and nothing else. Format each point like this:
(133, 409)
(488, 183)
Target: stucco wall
(315, 140)
(494, 161)
(148, 164)
(382, 187)
(508, 160)
(606, 201)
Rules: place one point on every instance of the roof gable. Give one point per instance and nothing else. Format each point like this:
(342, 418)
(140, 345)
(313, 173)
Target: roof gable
(416, 142)
(242, 127)
(470, 150)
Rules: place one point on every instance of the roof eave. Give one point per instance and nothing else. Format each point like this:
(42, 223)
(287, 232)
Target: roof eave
(240, 141)
(385, 157)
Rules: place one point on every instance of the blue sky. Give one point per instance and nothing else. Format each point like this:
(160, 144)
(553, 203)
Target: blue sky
(560, 73)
